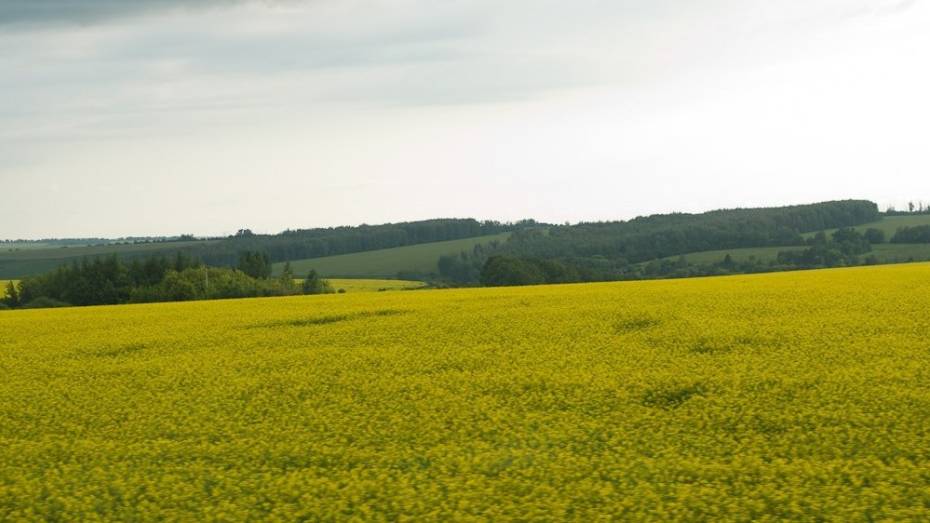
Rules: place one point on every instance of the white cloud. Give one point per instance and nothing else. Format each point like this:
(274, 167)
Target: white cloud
(310, 113)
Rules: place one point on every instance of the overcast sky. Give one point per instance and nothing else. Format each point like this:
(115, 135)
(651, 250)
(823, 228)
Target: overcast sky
(169, 116)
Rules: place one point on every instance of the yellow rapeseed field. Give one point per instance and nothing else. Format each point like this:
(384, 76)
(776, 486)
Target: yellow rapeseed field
(784, 396)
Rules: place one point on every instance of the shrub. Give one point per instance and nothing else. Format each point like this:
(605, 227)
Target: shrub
(875, 236)
(44, 302)
(314, 284)
(916, 234)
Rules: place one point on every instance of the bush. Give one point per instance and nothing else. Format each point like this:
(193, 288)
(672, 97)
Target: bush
(874, 236)
(44, 302)
(916, 234)
(314, 284)
(505, 270)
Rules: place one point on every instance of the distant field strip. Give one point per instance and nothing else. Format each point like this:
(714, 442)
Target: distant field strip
(388, 262)
(58, 253)
(370, 285)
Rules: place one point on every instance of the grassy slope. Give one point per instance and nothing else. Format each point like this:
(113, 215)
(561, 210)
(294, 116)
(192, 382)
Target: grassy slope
(25, 246)
(793, 396)
(386, 263)
(59, 253)
(889, 224)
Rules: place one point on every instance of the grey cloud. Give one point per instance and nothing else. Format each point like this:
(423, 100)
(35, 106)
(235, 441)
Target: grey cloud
(41, 12)
(301, 51)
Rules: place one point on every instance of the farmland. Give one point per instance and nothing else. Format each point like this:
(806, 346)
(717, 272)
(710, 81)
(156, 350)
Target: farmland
(792, 395)
(386, 263)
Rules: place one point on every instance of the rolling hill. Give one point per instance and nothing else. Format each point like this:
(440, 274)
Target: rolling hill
(18, 259)
(18, 262)
(386, 263)
(889, 224)
(383, 251)
(885, 252)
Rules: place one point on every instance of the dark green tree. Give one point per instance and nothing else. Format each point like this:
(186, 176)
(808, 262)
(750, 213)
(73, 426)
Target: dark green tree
(728, 263)
(314, 284)
(12, 295)
(875, 236)
(287, 273)
(915, 234)
(506, 270)
(255, 264)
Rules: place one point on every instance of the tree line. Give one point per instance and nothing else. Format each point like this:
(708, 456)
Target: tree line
(315, 243)
(110, 280)
(914, 234)
(660, 236)
(845, 247)
(640, 247)
(287, 245)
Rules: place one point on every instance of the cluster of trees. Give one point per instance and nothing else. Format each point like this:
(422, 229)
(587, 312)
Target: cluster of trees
(508, 270)
(465, 267)
(256, 264)
(917, 207)
(109, 280)
(842, 248)
(915, 234)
